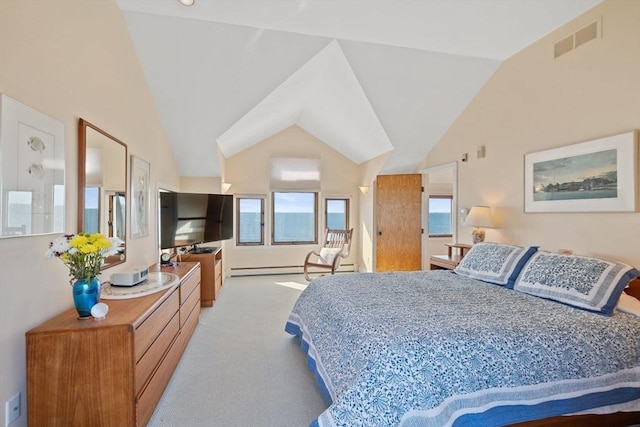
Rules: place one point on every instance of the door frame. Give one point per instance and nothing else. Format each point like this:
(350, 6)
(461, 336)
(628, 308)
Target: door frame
(425, 206)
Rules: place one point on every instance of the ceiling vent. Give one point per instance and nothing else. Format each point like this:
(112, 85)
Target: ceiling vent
(577, 39)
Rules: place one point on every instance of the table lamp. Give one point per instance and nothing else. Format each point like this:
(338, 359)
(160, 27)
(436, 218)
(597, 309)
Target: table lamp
(479, 216)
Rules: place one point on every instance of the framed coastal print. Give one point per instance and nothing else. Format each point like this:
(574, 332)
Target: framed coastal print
(32, 171)
(593, 176)
(140, 193)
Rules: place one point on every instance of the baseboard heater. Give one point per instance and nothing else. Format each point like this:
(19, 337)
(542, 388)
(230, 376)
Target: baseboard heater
(284, 269)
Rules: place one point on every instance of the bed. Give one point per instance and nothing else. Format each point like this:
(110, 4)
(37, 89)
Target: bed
(513, 338)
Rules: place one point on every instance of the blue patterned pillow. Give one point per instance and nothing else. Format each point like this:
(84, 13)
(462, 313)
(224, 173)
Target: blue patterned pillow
(588, 283)
(494, 262)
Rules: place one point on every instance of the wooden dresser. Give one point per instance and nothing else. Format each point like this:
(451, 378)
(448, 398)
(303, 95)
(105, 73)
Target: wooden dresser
(211, 263)
(111, 372)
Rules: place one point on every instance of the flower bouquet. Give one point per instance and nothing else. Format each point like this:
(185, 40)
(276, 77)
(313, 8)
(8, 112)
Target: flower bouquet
(84, 254)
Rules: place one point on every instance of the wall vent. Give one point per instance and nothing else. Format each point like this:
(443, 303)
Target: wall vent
(563, 46)
(577, 39)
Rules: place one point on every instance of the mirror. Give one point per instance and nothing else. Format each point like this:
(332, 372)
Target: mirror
(102, 186)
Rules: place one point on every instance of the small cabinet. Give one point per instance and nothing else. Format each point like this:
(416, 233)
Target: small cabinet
(212, 275)
(455, 253)
(111, 372)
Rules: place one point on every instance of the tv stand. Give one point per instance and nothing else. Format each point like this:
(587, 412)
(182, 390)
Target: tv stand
(211, 265)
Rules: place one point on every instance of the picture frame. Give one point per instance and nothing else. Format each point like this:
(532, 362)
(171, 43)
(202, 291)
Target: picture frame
(600, 175)
(140, 197)
(32, 165)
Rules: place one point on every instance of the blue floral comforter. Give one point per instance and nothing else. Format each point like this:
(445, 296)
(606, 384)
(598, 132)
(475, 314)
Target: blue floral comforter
(435, 349)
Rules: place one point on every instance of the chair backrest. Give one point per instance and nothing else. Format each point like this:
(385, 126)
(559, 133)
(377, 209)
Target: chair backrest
(338, 239)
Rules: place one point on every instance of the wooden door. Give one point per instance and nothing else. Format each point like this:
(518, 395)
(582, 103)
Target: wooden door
(398, 222)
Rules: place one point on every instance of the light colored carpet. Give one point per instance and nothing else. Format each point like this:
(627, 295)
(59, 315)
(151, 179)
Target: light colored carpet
(240, 367)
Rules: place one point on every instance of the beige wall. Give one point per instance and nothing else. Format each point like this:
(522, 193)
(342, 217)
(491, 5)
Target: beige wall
(200, 184)
(248, 172)
(533, 103)
(69, 59)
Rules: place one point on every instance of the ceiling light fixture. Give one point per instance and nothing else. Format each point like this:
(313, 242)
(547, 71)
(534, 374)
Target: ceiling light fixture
(187, 2)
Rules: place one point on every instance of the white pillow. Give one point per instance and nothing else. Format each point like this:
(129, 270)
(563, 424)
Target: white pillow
(328, 254)
(587, 283)
(628, 304)
(496, 263)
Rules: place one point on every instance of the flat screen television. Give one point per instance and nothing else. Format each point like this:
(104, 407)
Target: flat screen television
(188, 219)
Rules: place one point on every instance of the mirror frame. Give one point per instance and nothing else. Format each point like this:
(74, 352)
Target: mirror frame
(82, 178)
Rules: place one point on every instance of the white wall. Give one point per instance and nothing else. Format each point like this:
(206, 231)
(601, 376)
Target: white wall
(69, 59)
(534, 102)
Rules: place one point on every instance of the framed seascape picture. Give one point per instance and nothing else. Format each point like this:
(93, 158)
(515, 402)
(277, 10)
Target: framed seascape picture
(593, 176)
(32, 171)
(140, 193)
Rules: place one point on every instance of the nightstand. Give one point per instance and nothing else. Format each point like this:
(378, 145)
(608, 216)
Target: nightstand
(455, 253)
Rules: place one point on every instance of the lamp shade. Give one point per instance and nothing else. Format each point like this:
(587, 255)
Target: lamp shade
(479, 216)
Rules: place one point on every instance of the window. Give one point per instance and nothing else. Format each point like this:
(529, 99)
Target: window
(440, 224)
(336, 213)
(58, 207)
(294, 217)
(250, 221)
(19, 212)
(92, 209)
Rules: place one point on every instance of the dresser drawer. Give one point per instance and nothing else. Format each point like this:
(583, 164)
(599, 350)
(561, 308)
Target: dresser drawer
(147, 400)
(152, 357)
(187, 307)
(147, 332)
(218, 270)
(187, 329)
(189, 285)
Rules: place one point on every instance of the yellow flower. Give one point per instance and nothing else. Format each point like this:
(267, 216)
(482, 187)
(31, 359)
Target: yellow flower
(88, 248)
(102, 243)
(78, 241)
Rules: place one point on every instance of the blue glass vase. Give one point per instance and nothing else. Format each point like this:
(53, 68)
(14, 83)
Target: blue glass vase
(85, 296)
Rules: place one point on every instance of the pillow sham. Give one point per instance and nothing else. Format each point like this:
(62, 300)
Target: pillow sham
(327, 255)
(591, 284)
(628, 304)
(495, 263)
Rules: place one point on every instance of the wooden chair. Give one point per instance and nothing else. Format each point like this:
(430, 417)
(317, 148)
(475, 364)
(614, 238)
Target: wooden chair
(336, 245)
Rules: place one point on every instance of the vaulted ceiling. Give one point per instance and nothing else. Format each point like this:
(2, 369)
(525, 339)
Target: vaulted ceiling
(366, 77)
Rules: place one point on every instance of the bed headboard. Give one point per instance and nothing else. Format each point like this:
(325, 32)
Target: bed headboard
(634, 288)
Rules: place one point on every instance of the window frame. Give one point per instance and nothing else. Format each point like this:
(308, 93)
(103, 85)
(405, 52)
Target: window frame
(273, 219)
(262, 222)
(440, 196)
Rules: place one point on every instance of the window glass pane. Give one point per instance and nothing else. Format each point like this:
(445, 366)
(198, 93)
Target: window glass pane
(91, 210)
(337, 214)
(440, 216)
(58, 207)
(294, 217)
(19, 204)
(250, 223)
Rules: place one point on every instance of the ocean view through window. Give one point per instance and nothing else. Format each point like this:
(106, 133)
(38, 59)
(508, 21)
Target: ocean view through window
(337, 214)
(440, 216)
(294, 218)
(250, 221)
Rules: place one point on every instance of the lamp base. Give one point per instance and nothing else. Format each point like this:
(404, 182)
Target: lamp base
(477, 235)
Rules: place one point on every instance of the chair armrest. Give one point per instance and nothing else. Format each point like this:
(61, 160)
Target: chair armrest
(306, 259)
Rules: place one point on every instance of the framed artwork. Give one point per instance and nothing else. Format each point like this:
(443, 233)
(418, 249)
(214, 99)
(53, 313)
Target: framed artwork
(140, 193)
(32, 171)
(593, 176)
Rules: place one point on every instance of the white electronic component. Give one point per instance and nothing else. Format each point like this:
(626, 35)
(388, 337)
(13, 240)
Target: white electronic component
(130, 277)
